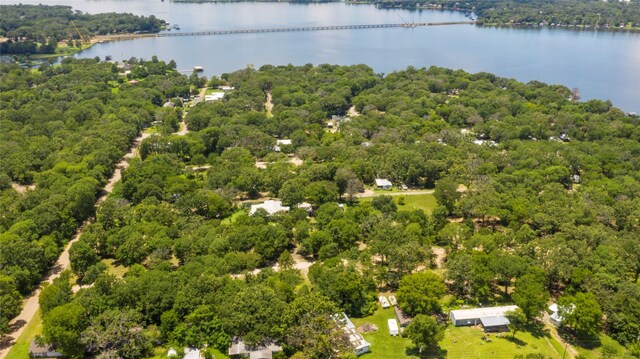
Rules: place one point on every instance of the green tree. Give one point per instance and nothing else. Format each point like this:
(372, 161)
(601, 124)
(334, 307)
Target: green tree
(56, 294)
(446, 192)
(321, 192)
(384, 204)
(10, 299)
(419, 293)
(531, 295)
(117, 333)
(424, 332)
(581, 313)
(517, 321)
(82, 257)
(62, 327)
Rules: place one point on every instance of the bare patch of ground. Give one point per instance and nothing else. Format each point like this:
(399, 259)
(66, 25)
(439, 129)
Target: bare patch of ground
(352, 112)
(21, 188)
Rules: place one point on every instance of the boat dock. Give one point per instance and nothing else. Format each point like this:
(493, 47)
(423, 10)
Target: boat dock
(313, 28)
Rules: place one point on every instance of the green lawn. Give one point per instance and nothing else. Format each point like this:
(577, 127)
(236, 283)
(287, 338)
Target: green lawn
(458, 342)
(212, 91)
(425, 202)
(20, 349)
(469, 344)
(383, 345)
(596, 353)
(115, 269)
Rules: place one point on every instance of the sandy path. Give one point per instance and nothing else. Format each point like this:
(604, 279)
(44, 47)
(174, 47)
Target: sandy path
(300, 263)
(440, 254)
(30, 305)
(268, 105)
(183, 130)
(352, 112)
(413, 192)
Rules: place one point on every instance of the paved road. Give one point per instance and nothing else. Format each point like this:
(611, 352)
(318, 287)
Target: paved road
(30, 305)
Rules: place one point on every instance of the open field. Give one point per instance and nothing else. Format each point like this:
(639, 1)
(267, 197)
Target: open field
(115, 269)
(426, 202)
(383, 345)
(458, 342)
(597, 352)
(466, 342)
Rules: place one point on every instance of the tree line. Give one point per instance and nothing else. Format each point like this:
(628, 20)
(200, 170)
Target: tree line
(37, 29)
(64, 128)
(603, 15)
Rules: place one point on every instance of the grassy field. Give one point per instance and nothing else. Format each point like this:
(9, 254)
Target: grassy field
(425, 202)
(458, 342)
(112, 268)
(597, 353)
(466, 342)
(20, 349)
(383, 345)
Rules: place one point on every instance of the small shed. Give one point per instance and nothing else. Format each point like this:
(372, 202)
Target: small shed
(403, 318)
(383, 183)
(393, 327)
(495, 324)
(307, 207)
(279, 143)
(43, 351)
(383, 301)
(191, 353)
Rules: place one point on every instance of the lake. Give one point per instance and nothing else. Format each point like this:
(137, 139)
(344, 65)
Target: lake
(604, 65)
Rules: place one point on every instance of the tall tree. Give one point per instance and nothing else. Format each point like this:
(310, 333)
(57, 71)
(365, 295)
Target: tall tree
(419, 293)
(424, 332)
(531, 295)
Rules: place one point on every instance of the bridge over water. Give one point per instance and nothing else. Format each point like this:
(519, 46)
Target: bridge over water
(312, 28)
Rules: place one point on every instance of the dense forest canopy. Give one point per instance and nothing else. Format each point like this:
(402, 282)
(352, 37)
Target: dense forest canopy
(566, 13)
(537, 201)
(62, 130)
(37, 28)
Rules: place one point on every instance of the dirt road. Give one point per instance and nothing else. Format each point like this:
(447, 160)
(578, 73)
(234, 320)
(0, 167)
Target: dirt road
(30, 305)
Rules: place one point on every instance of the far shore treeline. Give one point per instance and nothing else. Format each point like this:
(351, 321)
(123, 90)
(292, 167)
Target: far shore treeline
(37, 29)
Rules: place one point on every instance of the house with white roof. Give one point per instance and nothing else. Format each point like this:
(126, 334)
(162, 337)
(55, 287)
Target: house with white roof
(491, 318)
(357, 341)
(279, 143)
(383, 183)
(270, 206)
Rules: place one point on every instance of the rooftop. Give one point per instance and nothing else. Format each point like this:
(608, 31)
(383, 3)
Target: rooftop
(270, 206)
(476, 313)
(382, 182)
(494, 321)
